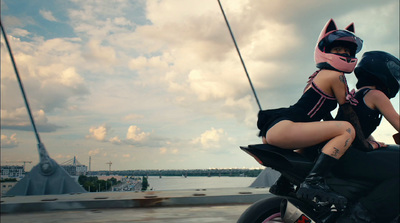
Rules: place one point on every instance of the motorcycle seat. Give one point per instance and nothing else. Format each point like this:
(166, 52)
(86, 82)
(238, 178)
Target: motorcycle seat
(293, 165)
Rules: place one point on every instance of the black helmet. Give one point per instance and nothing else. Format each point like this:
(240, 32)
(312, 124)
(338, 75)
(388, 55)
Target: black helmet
(379, 69)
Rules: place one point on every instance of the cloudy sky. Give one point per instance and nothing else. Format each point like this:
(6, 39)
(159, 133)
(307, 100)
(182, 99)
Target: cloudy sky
(158, 84)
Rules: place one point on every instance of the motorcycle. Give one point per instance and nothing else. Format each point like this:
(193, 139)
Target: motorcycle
(287, 207)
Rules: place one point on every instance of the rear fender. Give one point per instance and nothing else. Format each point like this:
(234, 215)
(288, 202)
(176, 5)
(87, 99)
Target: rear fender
(279, 159)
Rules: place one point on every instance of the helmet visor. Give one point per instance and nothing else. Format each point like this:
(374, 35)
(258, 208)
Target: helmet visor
(342, 35)
(394, 69)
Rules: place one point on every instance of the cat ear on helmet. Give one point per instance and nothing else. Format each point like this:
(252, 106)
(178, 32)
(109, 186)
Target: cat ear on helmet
(330, 26)
(350, 28)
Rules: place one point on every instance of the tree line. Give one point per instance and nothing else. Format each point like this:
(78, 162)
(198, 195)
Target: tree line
(93, 184)
(190, 172)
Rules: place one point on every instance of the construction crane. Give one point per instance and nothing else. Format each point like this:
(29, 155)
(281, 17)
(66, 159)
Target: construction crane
(24, 162)
(109, 165)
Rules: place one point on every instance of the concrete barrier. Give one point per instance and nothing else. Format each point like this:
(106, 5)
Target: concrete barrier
(106, 200)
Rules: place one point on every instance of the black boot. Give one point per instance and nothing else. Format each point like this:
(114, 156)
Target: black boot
(282, 187)
(314, 185)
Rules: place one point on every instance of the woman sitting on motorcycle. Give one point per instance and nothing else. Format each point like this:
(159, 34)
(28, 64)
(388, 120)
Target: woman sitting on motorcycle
(378, 77)
(378, 81)
(299, 126)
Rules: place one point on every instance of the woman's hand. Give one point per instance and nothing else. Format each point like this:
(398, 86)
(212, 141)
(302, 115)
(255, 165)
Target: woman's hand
(396, 138)
(376, 144)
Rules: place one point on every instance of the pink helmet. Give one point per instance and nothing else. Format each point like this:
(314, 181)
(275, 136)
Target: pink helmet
(331, 37)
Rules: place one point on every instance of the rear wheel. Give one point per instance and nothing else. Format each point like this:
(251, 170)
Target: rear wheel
(263, 211)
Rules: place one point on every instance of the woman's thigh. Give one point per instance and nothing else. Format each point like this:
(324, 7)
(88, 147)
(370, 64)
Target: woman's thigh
(288, 134)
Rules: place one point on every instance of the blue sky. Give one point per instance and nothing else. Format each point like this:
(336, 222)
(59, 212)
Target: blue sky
(158, 84)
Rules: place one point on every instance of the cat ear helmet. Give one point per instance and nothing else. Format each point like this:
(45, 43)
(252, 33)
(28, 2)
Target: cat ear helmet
(380, 69)
(331, 37)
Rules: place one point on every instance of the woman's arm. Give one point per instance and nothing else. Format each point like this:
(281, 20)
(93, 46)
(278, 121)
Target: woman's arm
(340, 90)
(380, 101)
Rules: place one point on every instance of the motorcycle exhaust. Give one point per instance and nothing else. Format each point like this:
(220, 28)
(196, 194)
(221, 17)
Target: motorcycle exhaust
(291, 214)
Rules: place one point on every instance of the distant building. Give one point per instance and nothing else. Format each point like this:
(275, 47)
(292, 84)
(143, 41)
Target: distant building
(11, 171)
(74, 167)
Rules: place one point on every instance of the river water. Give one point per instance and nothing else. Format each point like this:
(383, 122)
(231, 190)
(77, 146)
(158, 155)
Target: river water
(179, 183)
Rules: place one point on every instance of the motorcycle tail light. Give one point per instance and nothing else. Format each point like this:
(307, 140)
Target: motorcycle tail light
(255, 157)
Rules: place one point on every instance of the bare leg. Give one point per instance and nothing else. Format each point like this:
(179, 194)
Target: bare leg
(339, 134)
(292, 135)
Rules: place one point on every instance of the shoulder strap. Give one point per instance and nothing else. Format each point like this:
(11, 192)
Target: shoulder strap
(365, 91)
(311, 79)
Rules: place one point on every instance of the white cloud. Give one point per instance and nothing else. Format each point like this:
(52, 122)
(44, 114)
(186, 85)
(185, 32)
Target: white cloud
(121, 21)
(163, 150)
(98, 133)
(246, 105)
(168, 151)
(40, 117)
(49, 70)
(94, 152)
(126, 155)
(116, 140)
(9, 142)
(20, 32)
(48, 15)
(177, 10)
(135, 134)
(99, 54)
(18, 119)
(147, 63)
(211, 138)
(70, 78)
(207, 89)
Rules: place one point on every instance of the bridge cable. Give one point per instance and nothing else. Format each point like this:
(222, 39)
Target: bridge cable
(20, 83)
(240, 56)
